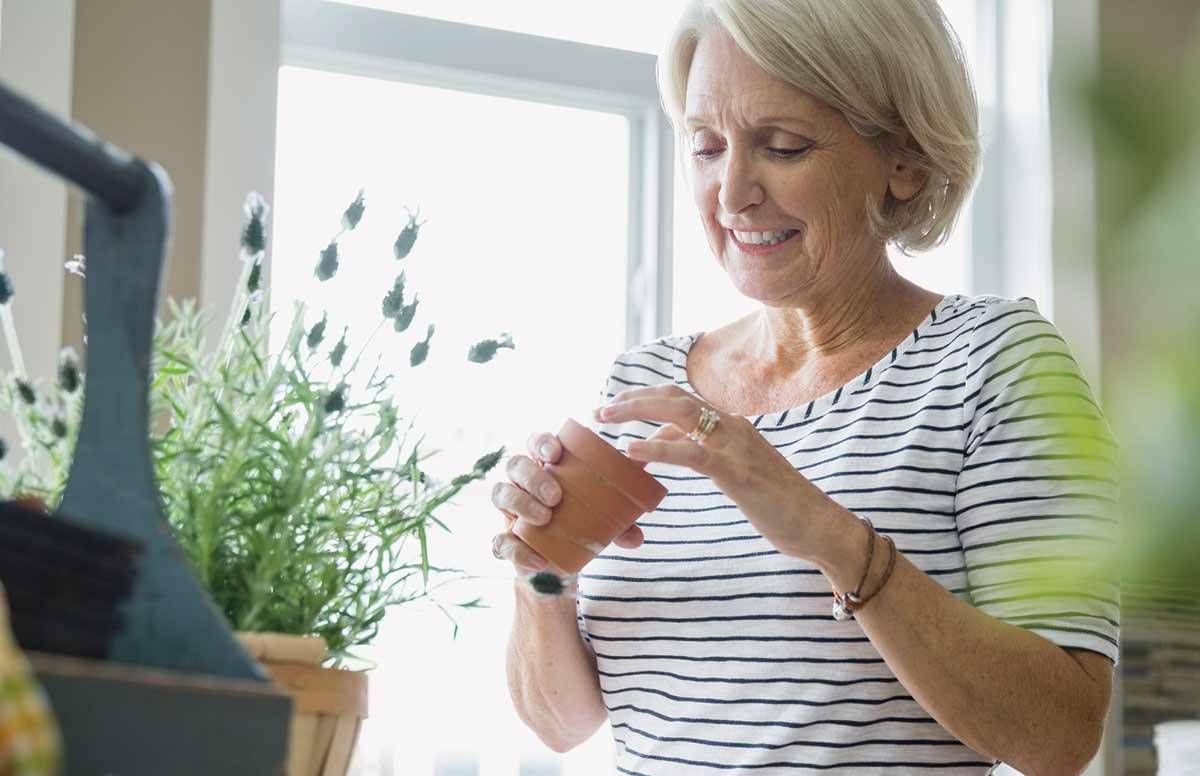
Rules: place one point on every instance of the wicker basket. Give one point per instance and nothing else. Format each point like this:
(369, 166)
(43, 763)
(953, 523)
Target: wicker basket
(328, 704)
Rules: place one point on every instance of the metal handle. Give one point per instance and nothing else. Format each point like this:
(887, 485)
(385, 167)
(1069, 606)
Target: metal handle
(71, 151)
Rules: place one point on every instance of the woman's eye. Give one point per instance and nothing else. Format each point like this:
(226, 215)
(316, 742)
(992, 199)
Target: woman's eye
(785, 153)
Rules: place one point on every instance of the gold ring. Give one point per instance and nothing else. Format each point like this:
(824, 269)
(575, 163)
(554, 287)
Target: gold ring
(708, 421)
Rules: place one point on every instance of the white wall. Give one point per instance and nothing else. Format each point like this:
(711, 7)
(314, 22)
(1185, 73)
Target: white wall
(36, 60)
(243, 76)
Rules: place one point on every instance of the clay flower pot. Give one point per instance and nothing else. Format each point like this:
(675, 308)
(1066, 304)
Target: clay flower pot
(604, 493)
(328, 704)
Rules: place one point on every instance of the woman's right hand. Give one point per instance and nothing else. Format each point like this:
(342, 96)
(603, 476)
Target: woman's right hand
(531, 494)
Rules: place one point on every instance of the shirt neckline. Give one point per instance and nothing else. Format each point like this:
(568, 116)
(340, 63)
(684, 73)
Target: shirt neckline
(837, 395)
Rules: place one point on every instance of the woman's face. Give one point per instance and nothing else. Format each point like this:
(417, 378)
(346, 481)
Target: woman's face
(763, 156)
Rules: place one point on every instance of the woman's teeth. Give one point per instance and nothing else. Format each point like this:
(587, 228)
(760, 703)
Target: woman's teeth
(763, 238)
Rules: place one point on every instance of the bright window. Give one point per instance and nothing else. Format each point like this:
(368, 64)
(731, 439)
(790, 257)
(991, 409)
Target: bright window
(516, 240)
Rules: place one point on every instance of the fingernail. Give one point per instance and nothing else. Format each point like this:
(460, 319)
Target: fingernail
(546, 450)
(549, 491)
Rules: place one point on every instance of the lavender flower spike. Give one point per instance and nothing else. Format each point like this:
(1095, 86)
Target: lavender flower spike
(254, 234)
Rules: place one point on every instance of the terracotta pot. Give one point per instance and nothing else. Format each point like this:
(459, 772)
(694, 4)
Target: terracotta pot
(604, 493)
(328, 704)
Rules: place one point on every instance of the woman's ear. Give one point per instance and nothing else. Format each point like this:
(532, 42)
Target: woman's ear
(907, 177)
(906, 180)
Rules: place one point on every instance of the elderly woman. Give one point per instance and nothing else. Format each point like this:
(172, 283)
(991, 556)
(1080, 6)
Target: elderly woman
(869, 483)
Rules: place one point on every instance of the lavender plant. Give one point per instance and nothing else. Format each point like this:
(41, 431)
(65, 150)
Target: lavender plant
(286, 469)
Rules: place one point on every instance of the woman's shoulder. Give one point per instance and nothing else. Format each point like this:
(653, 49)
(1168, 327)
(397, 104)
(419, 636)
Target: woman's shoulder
(999, 323)
(668, 350)
(973, 309)
(654, 362)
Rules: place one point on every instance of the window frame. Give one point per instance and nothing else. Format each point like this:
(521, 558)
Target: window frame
(362, 41)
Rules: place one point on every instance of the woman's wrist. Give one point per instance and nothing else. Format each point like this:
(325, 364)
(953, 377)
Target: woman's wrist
(841, 552)
(854, 557)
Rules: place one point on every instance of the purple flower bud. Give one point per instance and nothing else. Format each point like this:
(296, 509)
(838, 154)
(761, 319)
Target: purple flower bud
(394, 301)
(336, 400)
(254, 233)
(421, 350)
(354, 213)
(406, 315)
(328, 265)
(254, 282)
(483, 351)
(26, 392)
(339, 351)
(68, 371)
(317, 333)
(408, 236)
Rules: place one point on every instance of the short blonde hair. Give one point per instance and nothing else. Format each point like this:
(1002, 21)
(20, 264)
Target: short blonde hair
(894, 68)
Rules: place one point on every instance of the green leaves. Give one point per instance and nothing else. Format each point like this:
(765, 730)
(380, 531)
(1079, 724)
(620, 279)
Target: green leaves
(292, 484)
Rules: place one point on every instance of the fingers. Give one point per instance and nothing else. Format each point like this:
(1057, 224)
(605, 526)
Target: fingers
(509, 498)
(509, 547)
(545, 447)
(631, 539)
(667, 432)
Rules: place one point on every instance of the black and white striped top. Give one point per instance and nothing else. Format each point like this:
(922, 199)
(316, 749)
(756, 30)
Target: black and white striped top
(975, 444)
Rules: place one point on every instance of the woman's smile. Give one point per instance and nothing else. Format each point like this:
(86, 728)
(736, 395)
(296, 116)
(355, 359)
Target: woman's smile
(765, 248)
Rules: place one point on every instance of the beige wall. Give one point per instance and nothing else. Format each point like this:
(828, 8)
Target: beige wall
(141, 81)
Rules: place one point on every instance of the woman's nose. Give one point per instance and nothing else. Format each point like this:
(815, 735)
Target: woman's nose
(739, 183)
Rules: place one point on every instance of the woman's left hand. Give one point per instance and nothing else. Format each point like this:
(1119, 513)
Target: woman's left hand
(789, 511)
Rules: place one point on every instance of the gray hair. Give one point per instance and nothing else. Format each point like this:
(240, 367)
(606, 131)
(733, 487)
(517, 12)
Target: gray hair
(894, 68)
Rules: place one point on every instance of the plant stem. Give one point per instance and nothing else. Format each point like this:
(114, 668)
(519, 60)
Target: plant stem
(240, 297)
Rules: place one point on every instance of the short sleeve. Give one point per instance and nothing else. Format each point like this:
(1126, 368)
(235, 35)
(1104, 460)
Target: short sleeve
(1037, 498)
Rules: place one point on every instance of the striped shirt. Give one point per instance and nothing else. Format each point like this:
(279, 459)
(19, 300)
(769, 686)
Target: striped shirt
(975, 444)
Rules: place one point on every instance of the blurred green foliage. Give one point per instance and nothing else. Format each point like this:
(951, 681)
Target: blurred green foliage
(1145, 114)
